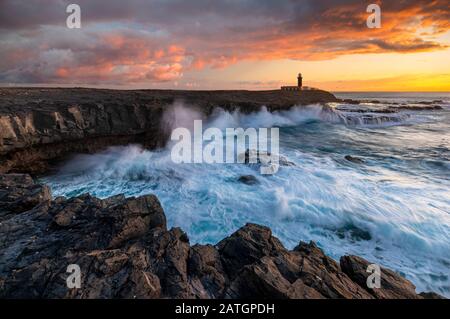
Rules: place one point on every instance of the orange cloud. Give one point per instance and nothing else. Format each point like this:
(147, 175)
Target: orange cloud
(139, 42)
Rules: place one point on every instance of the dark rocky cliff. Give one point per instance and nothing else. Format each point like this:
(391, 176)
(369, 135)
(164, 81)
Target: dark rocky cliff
(124, 250)
(40, 125)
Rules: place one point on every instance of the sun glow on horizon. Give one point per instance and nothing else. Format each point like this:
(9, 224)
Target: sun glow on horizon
(254, 46)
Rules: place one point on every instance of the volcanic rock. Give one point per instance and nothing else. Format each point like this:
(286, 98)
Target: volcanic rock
(124, 250)
(392, 285)
(39, 126)
(248, 179)
(354, 159)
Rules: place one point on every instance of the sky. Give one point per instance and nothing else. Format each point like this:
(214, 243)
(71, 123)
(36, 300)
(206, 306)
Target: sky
(227, 44)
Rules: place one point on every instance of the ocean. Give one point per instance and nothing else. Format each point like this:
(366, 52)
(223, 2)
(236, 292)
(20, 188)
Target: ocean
(370, 179)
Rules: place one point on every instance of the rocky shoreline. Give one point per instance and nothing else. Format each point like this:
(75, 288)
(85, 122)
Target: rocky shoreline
(38, 126)
(124, 250)
(122, 245)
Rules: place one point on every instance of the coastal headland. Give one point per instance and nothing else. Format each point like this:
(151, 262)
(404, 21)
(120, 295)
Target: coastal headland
(41, 125)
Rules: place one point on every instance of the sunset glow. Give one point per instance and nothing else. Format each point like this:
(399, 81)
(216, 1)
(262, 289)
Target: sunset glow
(223, 45)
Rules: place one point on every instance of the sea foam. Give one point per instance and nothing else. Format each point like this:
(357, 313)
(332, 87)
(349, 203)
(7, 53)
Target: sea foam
(391, 209)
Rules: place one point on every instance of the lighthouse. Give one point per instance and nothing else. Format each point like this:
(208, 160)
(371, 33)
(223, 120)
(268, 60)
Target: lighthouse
(299, 80)
(299, 86)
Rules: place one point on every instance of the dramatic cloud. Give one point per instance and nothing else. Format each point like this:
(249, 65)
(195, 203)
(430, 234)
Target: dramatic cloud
(137, 41)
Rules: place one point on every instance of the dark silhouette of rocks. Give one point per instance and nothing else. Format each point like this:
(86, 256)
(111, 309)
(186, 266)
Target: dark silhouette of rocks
(252, 156)
(248, 179)
(419, 108)
(430, 295)
(350, 101)
(124, 250)
(354, 159)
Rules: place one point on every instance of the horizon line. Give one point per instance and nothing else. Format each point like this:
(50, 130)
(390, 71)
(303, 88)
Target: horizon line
(37, 86)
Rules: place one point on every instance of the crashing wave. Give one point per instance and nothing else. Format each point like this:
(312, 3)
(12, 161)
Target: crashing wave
(363, 117)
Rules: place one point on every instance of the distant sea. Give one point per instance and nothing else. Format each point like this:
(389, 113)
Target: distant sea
(391, 205)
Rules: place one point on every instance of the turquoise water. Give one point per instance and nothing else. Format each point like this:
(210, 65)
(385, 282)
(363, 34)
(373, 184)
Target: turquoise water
(393, 208)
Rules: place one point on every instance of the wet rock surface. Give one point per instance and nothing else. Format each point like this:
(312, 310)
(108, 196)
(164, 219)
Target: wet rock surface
(252, 156)
(392, 285)
(248, 179)
(124, 250)
(354, 159)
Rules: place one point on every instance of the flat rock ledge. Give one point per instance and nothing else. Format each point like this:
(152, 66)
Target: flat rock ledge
(124, 250)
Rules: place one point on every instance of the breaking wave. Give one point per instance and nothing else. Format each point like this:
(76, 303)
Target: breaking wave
(392, 206)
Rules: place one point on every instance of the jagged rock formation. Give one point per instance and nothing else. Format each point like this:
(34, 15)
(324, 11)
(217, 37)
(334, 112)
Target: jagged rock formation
(41, 125)
(124, 250)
